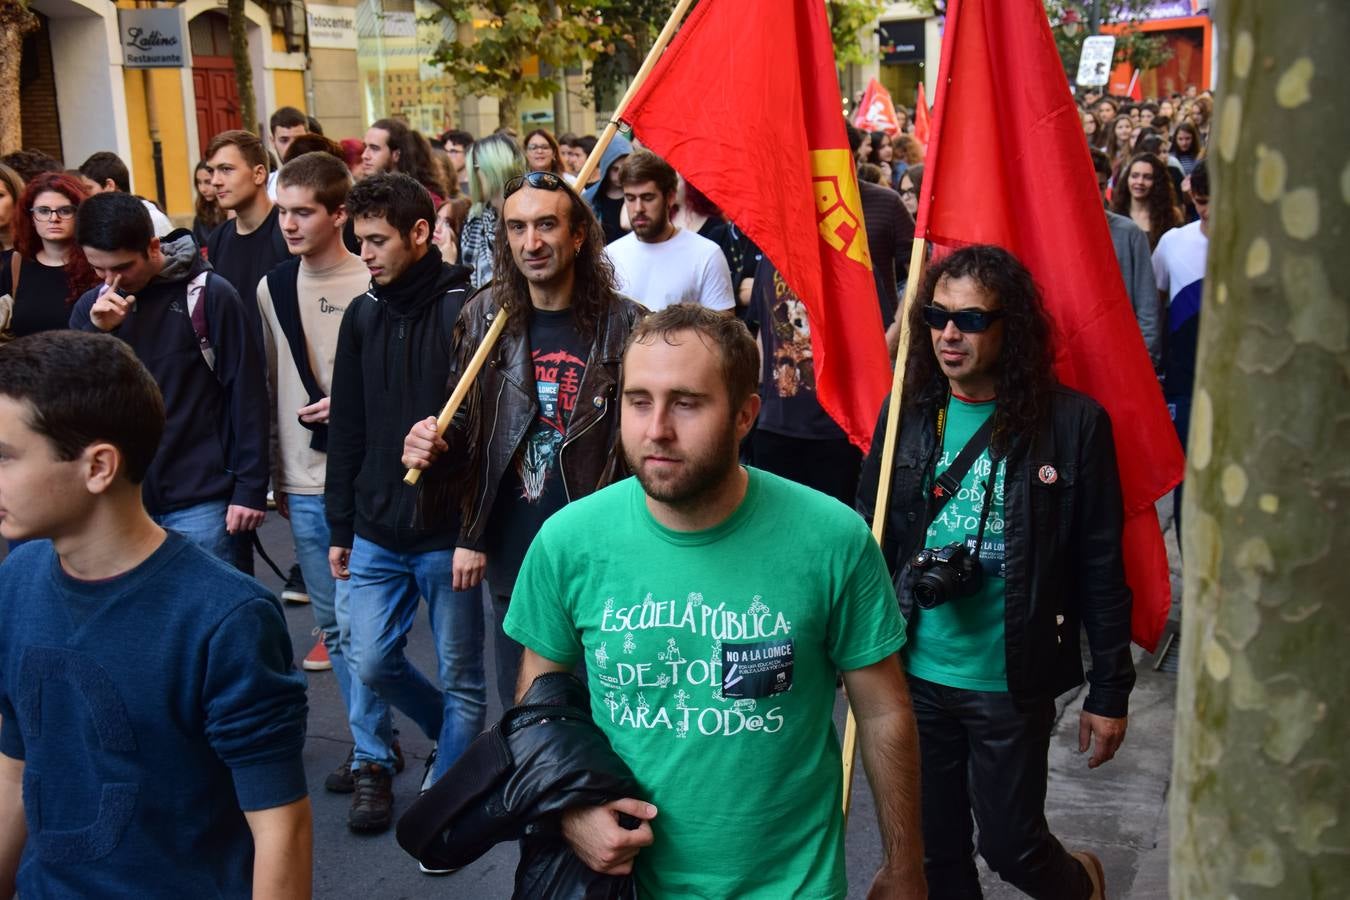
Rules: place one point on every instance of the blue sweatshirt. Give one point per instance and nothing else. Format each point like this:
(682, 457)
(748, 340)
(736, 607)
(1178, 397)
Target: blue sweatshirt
(151, 710)
(215, 444)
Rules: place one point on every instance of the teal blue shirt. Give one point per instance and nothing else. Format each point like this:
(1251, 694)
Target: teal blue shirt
(960, 643)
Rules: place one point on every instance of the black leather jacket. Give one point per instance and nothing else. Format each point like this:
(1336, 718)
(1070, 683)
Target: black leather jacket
(514, 781)
(502, 405)
(1063, 557)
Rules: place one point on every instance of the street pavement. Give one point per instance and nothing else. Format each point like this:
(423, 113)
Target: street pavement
(1118, 810)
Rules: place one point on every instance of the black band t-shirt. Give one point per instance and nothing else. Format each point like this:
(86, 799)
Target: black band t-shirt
(532, 490)
(790, 404)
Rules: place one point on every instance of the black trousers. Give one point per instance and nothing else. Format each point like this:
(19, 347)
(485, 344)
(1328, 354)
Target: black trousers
(829, 466)
(982, 755)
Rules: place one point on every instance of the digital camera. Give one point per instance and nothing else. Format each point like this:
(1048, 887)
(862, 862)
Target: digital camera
(947, 573)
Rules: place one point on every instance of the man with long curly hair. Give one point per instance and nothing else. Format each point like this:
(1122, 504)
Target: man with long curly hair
(1004, 531)
(540, 425)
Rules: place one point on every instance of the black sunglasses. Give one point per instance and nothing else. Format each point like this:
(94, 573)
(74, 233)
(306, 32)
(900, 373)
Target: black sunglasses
(544, 181)
(967, 321)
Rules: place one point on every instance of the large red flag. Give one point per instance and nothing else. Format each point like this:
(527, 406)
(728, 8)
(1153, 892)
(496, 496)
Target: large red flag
(1033, 192)
(922, 128)
(752, 117)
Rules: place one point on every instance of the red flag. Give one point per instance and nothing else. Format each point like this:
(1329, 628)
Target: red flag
(875, 111)
(1136, 91)
(1034, 192)
(752, 118)
(921, 126)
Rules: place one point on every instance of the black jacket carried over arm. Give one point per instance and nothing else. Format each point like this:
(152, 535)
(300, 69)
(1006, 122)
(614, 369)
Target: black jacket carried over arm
(514, 781)
(1063, 518)
(393, 358)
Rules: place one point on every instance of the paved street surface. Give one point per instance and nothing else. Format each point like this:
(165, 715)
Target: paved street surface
(1119, 810)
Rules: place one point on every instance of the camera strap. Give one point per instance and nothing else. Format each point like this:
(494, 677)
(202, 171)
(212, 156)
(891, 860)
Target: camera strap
(946, 485)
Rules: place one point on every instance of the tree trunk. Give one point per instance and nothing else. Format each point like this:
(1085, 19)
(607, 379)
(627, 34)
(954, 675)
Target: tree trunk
(1259, 803)
(243, 65)
(15, 21)
(508, 111)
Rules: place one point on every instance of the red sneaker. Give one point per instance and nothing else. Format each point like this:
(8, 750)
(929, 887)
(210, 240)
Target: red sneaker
(317, 659)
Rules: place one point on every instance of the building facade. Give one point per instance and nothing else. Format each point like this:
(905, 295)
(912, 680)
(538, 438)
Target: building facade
(153, 82)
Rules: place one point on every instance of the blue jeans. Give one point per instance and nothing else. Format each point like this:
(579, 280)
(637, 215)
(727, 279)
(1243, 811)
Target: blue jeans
(203, 525)
(384, 590)
(367, 714)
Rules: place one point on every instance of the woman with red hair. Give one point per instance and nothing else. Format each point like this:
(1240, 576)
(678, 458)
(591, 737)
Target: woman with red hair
(48, 267)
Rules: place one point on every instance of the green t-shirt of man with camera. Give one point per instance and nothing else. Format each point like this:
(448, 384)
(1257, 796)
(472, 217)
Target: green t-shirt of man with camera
(959, 642)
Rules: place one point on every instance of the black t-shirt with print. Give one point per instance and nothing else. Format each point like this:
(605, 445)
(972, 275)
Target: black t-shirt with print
(532, 490)
(788, 390)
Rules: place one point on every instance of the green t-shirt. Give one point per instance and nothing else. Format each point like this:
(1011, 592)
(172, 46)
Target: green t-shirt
(960, 643)
(711, 660)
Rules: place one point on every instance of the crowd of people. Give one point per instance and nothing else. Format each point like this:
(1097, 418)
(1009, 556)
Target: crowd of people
(161, 388)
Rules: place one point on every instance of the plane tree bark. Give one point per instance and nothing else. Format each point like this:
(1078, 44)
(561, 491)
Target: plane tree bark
(1259, 799)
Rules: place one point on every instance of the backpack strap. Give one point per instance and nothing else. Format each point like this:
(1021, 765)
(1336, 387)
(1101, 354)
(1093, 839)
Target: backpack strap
(196, 289)
(284, 287)
(15, 261)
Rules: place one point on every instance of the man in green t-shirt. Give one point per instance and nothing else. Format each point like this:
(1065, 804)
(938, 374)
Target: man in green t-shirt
(1005, 525)
(712, 606)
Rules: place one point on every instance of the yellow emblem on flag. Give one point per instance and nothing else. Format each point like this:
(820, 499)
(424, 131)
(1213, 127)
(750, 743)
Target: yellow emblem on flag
(838, 205)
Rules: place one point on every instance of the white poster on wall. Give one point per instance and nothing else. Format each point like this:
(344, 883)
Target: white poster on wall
(331, 27)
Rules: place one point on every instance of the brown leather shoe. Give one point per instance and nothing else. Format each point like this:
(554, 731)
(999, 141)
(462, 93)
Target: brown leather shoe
(1096, 875)
(372, 800)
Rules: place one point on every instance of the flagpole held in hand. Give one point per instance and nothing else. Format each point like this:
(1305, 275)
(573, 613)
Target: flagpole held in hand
(668, 32)
(916, 260)
(490, 339)
(466, 380)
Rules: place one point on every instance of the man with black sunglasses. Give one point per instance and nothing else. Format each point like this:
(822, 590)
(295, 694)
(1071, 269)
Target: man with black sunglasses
(1004, 534)
(539, 428)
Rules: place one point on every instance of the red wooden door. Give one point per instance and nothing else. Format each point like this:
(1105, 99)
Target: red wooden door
(217, 95)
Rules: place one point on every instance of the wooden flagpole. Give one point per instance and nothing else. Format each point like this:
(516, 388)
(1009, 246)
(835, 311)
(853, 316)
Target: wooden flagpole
(490, 339)
(662, 39)
(916, 259)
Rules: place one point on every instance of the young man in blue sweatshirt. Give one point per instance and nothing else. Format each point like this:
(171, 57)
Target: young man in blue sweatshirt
(151, 720)
(190, 329)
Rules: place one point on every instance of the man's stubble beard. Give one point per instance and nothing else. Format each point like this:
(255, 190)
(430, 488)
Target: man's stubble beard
(702, 473)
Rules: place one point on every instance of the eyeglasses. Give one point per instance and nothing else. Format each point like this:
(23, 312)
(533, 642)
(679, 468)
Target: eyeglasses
(544, 181)
(909, 193)
(537, 148)
(47, 213)
(968, 321)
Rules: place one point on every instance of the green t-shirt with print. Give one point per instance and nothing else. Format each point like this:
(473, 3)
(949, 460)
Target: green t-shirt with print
(711, 660)
(960, 643)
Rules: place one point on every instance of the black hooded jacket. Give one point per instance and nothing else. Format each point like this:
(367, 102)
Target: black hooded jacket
(393, 359)
(514, 781)
(215, 444)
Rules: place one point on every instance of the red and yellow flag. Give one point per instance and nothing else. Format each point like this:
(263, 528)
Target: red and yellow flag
(745, 103)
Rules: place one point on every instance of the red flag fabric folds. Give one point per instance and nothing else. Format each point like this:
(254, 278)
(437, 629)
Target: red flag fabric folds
(752, 117)
(1033, 192)
(922, 127)
(875, 111)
